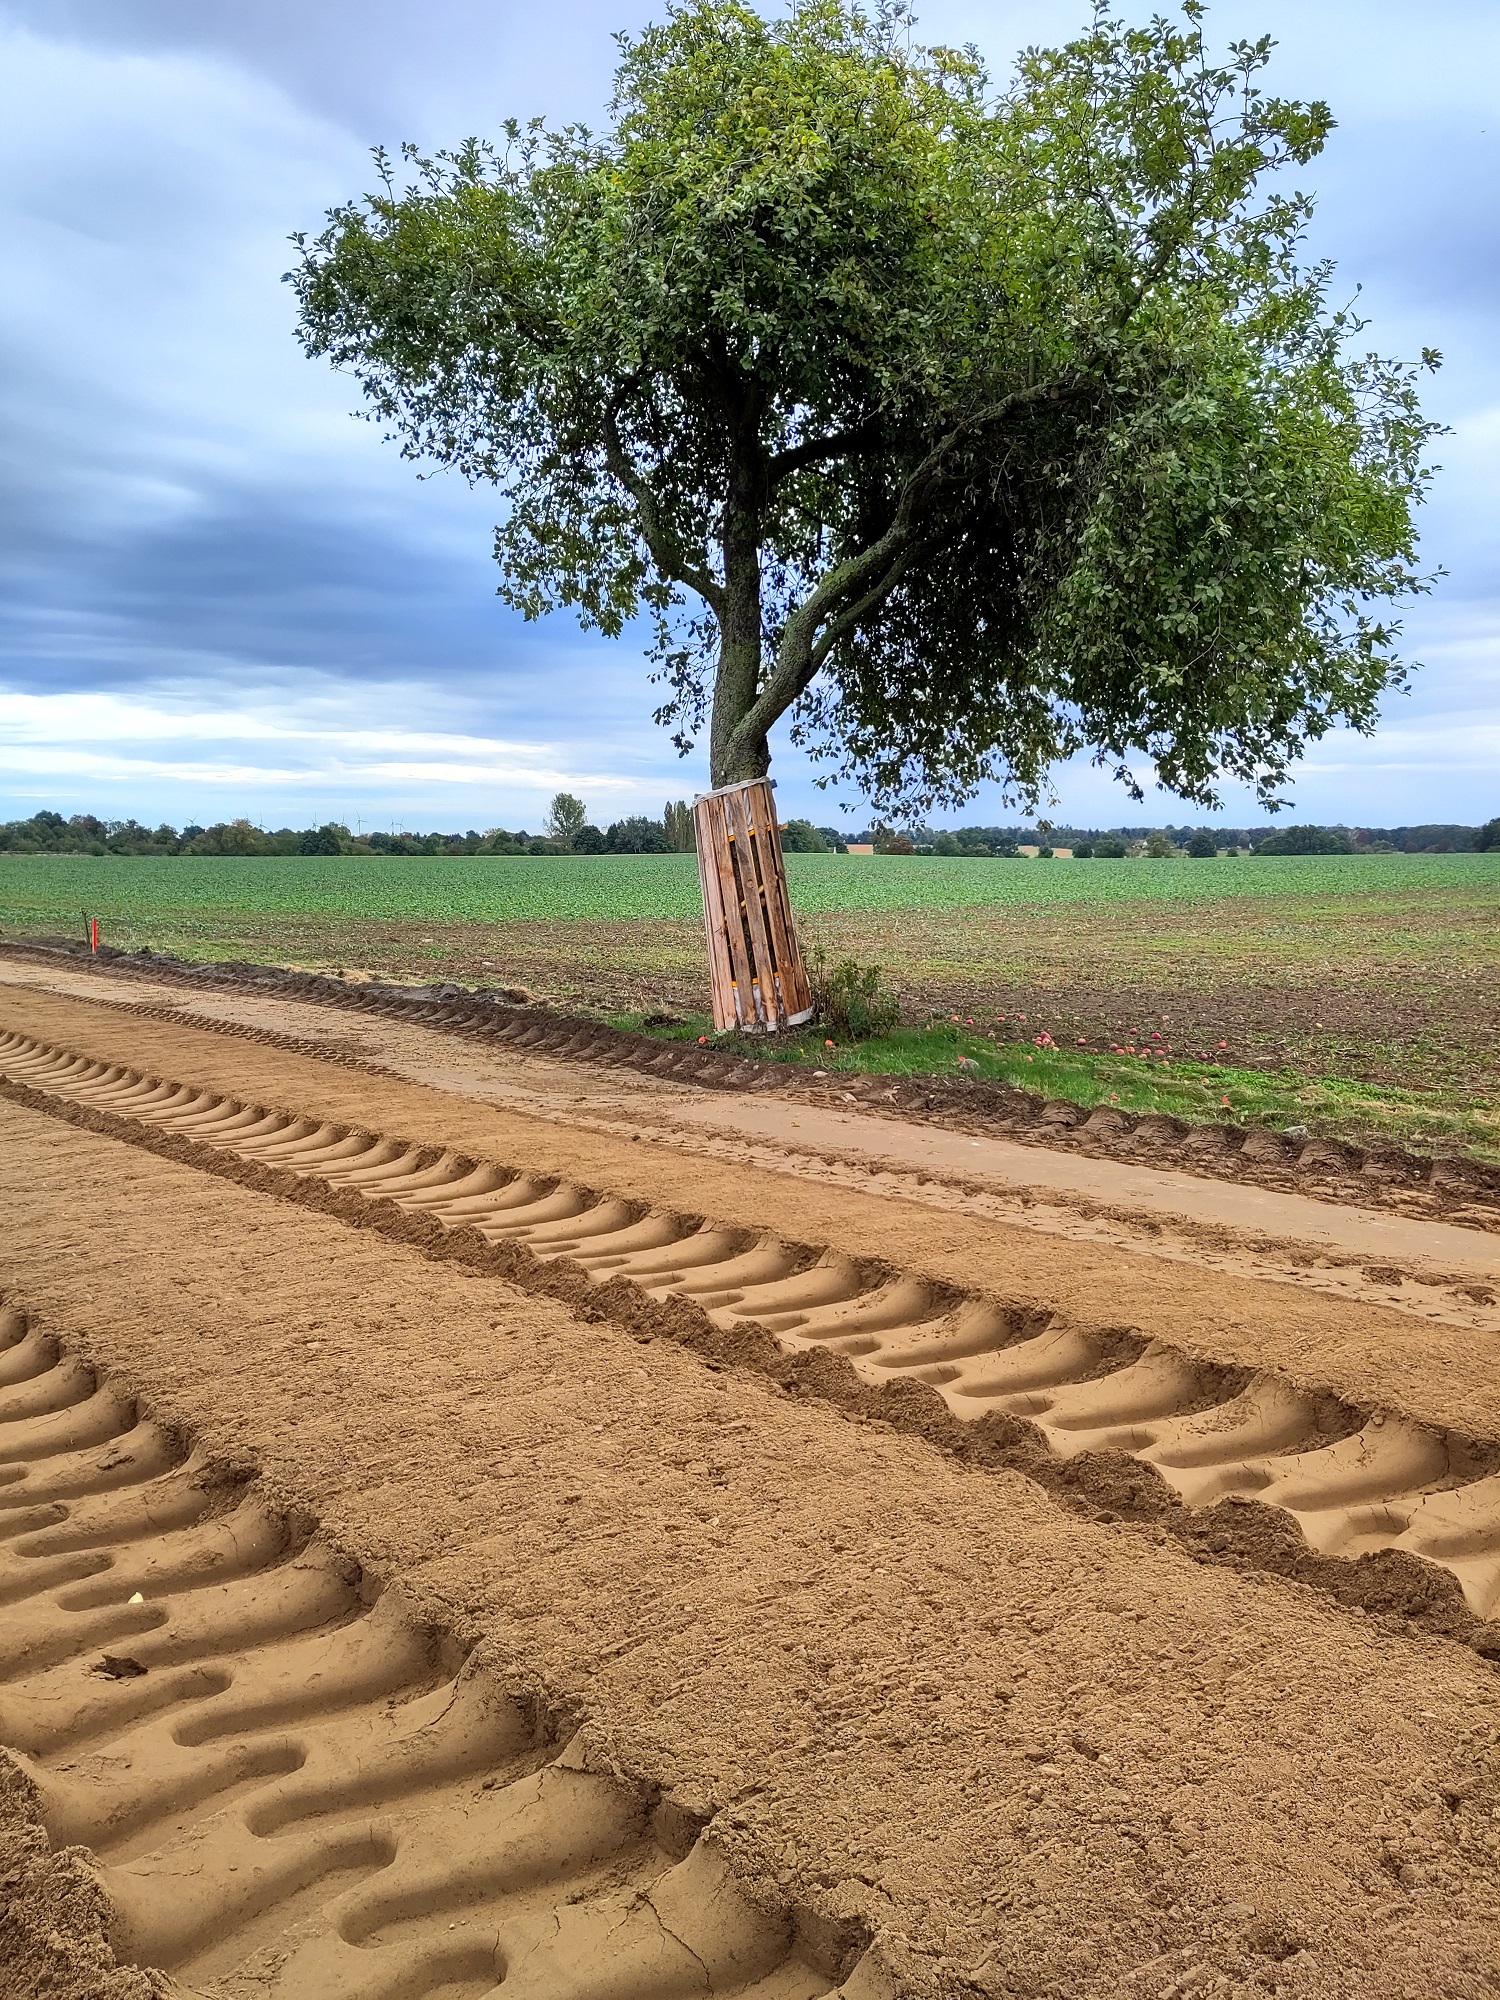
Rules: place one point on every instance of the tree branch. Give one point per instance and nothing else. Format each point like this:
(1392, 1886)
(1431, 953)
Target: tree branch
(854, 615)
(874, 572)
(841, 444)
(666, 552)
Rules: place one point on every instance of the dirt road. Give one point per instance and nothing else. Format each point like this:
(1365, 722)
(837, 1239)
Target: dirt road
(1334, 1245)
(666, 1590)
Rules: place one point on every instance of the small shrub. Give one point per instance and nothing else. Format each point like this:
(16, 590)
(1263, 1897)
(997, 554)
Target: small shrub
(850, 1001)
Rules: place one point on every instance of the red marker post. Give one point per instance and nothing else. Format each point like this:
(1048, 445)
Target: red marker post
(93, 934)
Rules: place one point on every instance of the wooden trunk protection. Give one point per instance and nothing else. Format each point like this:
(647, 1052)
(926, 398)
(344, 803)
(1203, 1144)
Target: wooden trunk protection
(759, 981)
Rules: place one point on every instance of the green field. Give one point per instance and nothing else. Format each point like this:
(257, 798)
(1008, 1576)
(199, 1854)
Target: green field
(1357, 995)
(138, 898)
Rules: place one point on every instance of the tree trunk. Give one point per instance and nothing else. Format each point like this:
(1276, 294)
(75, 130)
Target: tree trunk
(759, 982)
(737, 681)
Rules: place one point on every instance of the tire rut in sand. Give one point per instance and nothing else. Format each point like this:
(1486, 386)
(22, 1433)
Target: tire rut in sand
(288, 1786)
(1383, 1175)
(1226, 1443)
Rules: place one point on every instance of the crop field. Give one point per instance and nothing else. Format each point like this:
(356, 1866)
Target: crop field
(203, 898)
(1353, 994)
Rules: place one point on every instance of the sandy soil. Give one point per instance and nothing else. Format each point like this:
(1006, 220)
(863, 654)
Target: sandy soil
(1432, 1370)
(1031, 1754)
(1431, 1268)
(1246, 1466)
(910, 1697)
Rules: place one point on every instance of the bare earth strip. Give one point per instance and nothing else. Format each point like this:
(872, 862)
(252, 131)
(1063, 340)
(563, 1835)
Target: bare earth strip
(1248, 1466)
(1260, 1305)
(284, 1779)
(1032, 1754)
(1434, 1269)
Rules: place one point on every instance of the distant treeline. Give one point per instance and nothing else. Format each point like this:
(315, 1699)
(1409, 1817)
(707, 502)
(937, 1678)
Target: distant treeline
(50, 833)
(83, 833)
(1117, 842)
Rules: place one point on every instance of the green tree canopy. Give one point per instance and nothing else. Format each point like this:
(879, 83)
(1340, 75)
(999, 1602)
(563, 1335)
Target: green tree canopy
(566, 818)
(965, 427)
(677, 824)
(800, 836)
(1305, 840)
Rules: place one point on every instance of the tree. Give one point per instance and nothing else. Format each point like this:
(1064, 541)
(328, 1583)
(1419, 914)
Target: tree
(966, 428)
(1305, 840)
(637, 836)
(566, 818)
(239, 837)
(800, 836)
(1203, 846)
(1487, 840)
(677, 824)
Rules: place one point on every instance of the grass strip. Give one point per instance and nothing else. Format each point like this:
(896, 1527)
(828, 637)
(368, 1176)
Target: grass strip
(1141, 1077)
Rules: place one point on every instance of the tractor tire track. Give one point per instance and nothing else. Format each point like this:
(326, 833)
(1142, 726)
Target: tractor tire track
(290, 1787)
(1458, 1190)
(1243, 1466)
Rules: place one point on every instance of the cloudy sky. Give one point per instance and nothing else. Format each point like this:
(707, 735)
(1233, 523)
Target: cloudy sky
(220, 594)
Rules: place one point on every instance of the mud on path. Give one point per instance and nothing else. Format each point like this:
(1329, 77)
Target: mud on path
(1025, 1752)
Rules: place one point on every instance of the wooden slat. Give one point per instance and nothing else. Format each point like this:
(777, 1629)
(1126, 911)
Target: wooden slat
(721, 971)
(772, 869)
(733, 924)
(742, 820)
(760, 809)
(713, 861)
(740, 947)
(796, 991)
(756, 970)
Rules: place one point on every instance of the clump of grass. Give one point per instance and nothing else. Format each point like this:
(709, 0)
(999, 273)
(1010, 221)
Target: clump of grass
(850, 999)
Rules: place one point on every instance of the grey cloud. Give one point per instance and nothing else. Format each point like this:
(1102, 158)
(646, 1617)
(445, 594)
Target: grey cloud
(185, 505)
(385, 69)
